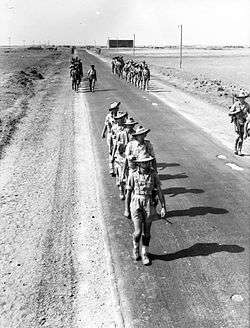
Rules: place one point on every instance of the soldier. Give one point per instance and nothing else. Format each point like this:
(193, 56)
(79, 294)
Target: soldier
(145, 77)
(92, 76)
(80, 68)
(239, 112)
(137, 146)
(118, 153)
(141, 187)
(129, 128)
(109, 121)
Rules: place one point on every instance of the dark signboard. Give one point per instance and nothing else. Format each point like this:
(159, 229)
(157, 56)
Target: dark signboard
(120, 43)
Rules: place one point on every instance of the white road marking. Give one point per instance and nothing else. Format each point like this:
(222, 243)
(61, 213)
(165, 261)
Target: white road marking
(154, 104)
(221, 156)
(235, 167)
(236, 298)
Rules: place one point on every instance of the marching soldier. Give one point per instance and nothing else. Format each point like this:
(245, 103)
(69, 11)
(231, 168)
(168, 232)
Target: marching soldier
(92, 76)
(239, 112)
(118, 152)
(142, 186)
(108, 124)
(129, 128)
(137, 146)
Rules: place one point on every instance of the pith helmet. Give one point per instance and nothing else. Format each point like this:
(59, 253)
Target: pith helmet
(242, 94)
(144, 157)
(120, 115)
(114, 105)
(140, 130)
(130, 121)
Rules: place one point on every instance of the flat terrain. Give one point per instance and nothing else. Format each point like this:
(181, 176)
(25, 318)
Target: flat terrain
(213, 75)
(61, 216)
(228, 65)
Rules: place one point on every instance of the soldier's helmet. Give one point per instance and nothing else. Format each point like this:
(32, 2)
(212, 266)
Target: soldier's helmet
(242, 94)
(130, 121)
(140, 130)
(114, 105)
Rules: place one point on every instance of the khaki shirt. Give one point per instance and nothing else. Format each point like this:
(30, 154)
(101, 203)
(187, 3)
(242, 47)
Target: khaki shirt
(244, 111)
(133, 149)
(109, 122)
(143, 184)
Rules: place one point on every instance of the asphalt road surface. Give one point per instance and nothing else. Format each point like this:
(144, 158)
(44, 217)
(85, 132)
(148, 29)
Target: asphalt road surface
(199, 272)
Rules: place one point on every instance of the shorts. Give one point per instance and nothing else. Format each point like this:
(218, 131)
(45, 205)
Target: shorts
(142, 209)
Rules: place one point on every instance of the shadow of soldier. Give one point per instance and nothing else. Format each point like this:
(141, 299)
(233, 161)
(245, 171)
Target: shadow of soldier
(199, 249)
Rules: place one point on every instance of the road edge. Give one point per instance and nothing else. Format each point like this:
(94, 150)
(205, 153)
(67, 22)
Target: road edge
(121, 317)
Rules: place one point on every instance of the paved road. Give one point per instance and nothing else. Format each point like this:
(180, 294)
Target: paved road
(200, 260)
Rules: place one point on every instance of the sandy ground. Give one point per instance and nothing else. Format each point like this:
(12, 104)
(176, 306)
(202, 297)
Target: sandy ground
(53, 268)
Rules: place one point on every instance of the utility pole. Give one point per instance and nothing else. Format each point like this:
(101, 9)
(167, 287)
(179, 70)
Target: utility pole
(180, 46)
(134, 46)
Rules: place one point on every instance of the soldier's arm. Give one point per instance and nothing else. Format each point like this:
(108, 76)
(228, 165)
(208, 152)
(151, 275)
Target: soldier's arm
(104, 130)
(160, 195)
(129, 188)
(127, 203)
(152, 153)
(125, 168)
(246, 127)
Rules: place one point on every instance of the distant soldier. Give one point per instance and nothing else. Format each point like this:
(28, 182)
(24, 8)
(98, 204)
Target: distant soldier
(141, 187)
(113, 65)
(108, 124)
(92, 76)
(80, 68)
(145, 77)
(239, 113)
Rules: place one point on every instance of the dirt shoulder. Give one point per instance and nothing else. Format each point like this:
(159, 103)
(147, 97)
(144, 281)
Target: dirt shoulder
(52, 254)
(23, 74)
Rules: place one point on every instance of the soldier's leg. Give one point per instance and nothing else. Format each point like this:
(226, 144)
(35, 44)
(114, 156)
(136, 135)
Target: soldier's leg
(136, 237)
(93, 85)
(136, 216)
(240, 142)
(150, 213)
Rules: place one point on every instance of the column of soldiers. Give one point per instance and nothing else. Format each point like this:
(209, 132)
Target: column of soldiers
(132, 162)
(137, 74)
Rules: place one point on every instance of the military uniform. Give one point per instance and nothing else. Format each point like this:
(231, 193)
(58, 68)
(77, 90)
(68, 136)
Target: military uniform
(239, 113)
(142, 186)
(134, 149)
(118, 156)
(108, 127)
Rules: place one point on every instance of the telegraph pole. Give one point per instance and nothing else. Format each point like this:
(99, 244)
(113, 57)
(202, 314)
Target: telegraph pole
(180, 46)
(134, 46)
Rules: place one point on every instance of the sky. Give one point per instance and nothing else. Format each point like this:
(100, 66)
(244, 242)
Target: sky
(154, 22)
